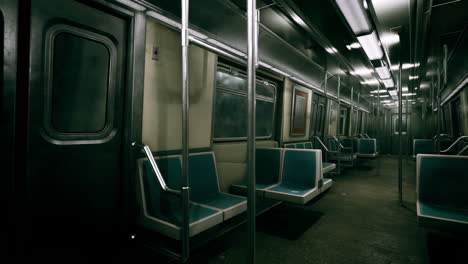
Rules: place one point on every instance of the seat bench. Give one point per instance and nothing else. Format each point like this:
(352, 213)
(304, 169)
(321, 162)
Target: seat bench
(162, 211)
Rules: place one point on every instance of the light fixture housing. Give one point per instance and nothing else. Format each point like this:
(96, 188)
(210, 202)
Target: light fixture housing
(356, 15)
(383, 72)
(371, 46)
(388, 83)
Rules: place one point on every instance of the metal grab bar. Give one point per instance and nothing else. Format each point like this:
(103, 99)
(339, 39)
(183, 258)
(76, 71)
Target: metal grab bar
(454, 144)
(321, 143)
(155, 168)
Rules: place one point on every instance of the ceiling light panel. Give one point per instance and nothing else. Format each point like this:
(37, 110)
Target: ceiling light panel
(371, 46)
(383, 72)
(388, 83)
(356, 15)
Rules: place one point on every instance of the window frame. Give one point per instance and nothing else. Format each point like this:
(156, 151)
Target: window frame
(238, 73)
(107, 132)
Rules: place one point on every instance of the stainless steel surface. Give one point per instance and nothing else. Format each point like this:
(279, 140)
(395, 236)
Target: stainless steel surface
(185, 131)
(149, 155)
(251, 117)
(400, 139)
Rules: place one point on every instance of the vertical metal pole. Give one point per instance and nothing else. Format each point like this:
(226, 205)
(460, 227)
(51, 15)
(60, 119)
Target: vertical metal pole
(378, 129)
(185, 132)
(400, 124)
(339, 107)
(251, 61)
(351, 114)
(439, 111)
(325, 85)
(357, 108)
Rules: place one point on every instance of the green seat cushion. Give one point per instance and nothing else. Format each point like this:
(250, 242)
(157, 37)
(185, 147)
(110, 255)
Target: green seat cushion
(164, 205)
(367, 146)
(299, 168)
(292, 189)
(223, 201)
(424, 146)
(443, 180)
(326, 165)
(203, 177)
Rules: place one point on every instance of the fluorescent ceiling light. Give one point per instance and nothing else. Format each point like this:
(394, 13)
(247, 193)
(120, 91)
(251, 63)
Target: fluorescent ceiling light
(388, 83)
(377, 91)
(386, 101)
(392, 92)
(383, 72)
(390, 38)
(408, 94)
(371, 82)
(384, 95)
(354, 45)
(356, 16)
(331, 50)
(404, 89)
(362, 71)
(370, 44)
(132, 5)
(414, 77)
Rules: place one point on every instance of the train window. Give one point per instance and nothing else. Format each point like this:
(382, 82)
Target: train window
(343, 120)
(231, 107)
(446, 125)
(80, 82)
(396, 125)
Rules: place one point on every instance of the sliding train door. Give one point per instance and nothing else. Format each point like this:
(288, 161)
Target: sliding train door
(74, 183)
(396, 133)
(317, 123)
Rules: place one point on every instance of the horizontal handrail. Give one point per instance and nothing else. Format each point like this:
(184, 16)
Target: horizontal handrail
(321, 143)
(454, 144)
(154, 167)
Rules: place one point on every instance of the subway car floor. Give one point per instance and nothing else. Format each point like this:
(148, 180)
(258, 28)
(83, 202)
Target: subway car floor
(358, 220)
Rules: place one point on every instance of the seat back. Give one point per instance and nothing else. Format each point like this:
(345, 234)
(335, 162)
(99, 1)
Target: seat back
(268, 162)
(300, 145)
(367, 146)
(443, 180)
(302, 167)
(333, 144)
(157, 202)
(291, 145)
(203, 176)
(423, 146)
(308, 145)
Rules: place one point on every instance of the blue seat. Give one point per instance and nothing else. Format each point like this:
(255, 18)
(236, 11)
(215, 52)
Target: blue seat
(300, 145)
(308, 145)
(300, 175)
(327, 167)
(291, 145)
(267, 170)
(204, 186)
(162, 211)
(442, 184)
(423, 146)
(366, 148)
(336, 152)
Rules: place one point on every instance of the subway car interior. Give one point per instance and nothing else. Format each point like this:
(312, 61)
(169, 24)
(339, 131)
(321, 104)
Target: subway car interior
(234, 131)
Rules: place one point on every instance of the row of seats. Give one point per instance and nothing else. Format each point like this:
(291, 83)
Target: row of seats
(162, 211)
(442, 183)
(292, 175)
(326, 166)
(362, 147)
